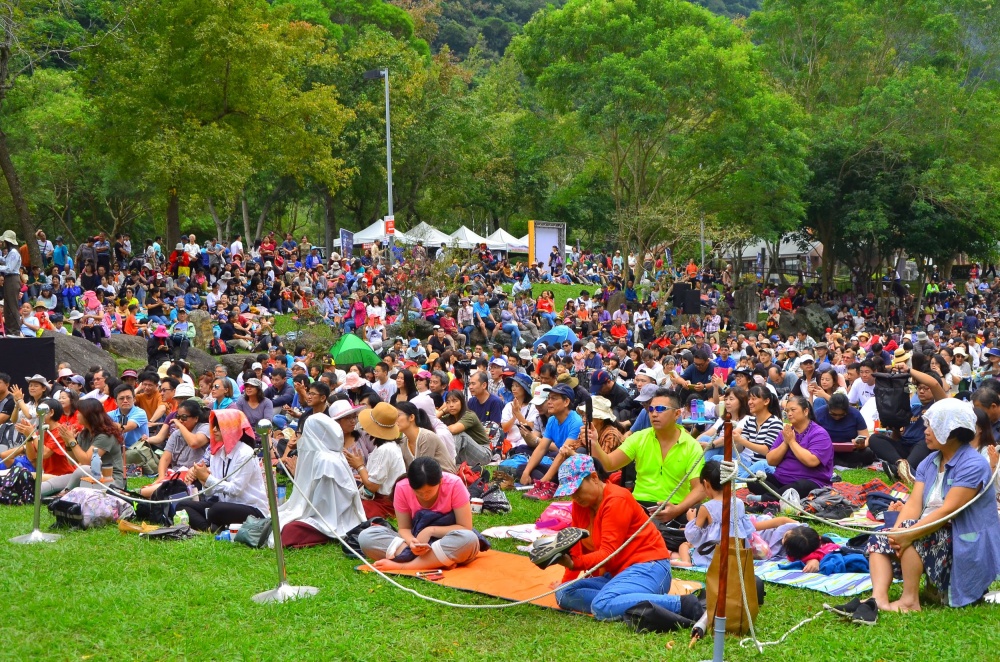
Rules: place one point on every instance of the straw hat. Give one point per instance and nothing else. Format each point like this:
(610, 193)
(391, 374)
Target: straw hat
(380, 421)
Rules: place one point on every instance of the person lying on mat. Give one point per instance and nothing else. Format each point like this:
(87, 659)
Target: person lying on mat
(232, 475)
(639, 573)
(435, 523)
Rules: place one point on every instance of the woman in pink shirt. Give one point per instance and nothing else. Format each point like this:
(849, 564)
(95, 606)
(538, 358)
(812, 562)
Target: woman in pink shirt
(435, 523)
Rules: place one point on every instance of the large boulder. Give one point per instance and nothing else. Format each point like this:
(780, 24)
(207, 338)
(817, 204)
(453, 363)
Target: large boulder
(814, 320)
(80, 354)
(747, 305)
(615, 302)
(203, 324)
(788, 324)
(421, 328)
(233, 363)
(201, 361)
(125, 346)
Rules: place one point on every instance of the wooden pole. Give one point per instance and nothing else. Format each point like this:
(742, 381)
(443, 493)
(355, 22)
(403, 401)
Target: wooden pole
(722, 551)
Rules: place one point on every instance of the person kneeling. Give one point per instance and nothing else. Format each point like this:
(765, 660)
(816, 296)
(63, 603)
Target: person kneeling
(435, 523)
(639, 573)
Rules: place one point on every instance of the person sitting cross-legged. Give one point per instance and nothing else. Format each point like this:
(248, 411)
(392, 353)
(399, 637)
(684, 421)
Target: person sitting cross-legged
(639, 573)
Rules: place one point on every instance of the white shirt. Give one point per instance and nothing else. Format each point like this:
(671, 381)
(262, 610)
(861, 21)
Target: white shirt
(385, 465)
(194, 250)
(860, 392)
(234, 480)
(236, 248)
(514, 434)
(385, 391)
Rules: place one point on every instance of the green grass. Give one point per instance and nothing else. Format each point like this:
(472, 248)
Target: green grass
(101, 595)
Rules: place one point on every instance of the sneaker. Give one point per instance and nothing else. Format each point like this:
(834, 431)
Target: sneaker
(846, 610)
(546, 551)
(866, 613)
(890, 471)
(904, 473)
(530, 494)
(544, 491)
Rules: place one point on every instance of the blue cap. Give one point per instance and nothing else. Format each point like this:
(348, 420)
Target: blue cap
(598, 379)
(414, 342)
(564, 390)
(523, 380)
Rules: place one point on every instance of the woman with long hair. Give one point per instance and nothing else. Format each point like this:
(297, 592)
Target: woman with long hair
(760, 431)
(471, 440)
(406, 388)
(99, 436)
(737, 404)
(419, 439)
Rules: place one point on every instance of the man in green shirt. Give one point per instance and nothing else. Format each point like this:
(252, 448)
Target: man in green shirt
(663, 455)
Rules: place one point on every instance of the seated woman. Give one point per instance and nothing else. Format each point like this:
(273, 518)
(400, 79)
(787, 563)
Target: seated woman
(324, 477)
(419, 439)
(847, 428)
(384, 466)
(54, 460)
(185, 447)
(471, 439)
(232, 475)
(639, 573)
(961, 556)
(98, 435)
(803, 456)
(435, 523)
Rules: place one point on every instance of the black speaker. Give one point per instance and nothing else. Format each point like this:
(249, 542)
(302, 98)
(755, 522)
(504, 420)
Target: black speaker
(680, 292)
(24, 357)
(692, 302)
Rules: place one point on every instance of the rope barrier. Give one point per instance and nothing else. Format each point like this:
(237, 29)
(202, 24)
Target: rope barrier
(506, 605)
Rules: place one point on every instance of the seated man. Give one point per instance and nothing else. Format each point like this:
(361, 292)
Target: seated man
(562, 430)
(639, 573)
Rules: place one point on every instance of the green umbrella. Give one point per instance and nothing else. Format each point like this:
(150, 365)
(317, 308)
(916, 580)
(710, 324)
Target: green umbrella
(351, 349)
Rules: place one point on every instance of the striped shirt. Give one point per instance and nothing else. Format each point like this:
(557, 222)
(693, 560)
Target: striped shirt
(766, 433)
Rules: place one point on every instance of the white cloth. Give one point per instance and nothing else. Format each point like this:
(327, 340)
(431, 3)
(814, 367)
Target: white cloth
(945, 416)
(425, 402)
(235, 480)
(323, 475)
(386, 466)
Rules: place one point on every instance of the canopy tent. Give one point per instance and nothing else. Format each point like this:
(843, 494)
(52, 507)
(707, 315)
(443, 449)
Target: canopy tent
(512, 243)
(352, 349)
(372, 233)
(430, 235)
(466, 238)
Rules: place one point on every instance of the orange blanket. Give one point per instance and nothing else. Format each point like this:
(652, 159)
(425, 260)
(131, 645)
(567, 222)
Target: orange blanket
(514, 577)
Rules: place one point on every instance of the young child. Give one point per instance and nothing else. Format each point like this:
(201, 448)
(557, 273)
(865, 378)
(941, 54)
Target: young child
(704, 529)
(803, 543)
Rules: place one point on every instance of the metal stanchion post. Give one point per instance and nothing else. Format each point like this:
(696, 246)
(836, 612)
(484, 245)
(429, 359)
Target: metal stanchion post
(36, 534)
(283, 591)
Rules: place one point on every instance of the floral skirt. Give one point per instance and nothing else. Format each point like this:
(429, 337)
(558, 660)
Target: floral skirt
(934, 550)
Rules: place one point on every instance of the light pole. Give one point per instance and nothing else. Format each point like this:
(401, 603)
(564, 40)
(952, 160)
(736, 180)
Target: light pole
(373, 74)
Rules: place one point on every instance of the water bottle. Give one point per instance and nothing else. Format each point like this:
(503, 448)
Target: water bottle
(95, 466)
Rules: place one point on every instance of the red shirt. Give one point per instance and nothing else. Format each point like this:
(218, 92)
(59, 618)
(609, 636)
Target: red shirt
(617, 518)
(56, 464)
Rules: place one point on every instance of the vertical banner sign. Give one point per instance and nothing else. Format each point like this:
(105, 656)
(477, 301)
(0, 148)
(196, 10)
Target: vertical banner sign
(390, 225)
(760, 264)
(346, 242)
(670, 258)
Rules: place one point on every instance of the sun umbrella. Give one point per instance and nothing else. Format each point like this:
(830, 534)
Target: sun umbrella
(351, 349)
(557, 335)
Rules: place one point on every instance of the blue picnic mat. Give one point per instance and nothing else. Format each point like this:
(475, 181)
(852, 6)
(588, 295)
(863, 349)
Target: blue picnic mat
(842, 585)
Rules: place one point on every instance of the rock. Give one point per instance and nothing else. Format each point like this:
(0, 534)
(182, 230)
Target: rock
(81, 354)
(129, 347)
(788, 324)
(814, 320)
(202, 322)
(233, 363)
(747, 305)
(201, 361)
(616, 300)
(421, 328)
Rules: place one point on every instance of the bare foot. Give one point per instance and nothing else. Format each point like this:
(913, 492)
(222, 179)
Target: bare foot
(903, 607)
(387, 564)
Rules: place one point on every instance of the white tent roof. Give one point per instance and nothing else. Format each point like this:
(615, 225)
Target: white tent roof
(512, 243)
(466, 238)
(371, 234)
(430, 235)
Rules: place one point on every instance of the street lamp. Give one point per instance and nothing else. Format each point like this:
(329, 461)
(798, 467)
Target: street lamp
(374, 74)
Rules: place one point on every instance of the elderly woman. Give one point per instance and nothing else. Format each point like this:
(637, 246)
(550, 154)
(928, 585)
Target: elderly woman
(959, 556)
(323, 476)
(802, 457)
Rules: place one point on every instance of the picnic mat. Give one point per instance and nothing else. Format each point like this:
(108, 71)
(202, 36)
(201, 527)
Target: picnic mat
(514, 577)
(841, 585)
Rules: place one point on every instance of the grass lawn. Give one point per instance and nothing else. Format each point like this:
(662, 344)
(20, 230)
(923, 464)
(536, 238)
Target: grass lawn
(102, 595)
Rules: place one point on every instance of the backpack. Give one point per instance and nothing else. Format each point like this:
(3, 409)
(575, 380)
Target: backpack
(217, 347)
(17, 487)
(84, 508)
(9, 436)
(161, 513)
(892, 400)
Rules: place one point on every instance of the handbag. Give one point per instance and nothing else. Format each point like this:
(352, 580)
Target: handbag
(736, 614)
(254, 532)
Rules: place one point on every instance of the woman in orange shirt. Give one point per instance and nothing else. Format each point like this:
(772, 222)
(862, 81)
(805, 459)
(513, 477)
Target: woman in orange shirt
(546, 308)
(639, 573)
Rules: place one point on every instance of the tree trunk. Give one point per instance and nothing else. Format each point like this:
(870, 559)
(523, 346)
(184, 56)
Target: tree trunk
(328, 221)
(173, 220)
(216, 219)
(20, 203)
(245, 208)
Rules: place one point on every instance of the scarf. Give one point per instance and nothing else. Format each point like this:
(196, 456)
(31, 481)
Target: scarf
(233, 426)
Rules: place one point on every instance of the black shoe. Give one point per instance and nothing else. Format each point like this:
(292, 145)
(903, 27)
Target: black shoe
(866, 613)
(890, 470)
(846, 610)
(544, 554)
(692, 608)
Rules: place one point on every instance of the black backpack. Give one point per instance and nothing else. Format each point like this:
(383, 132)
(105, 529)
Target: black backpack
(892, 400)
(9, 436)
(160, 513)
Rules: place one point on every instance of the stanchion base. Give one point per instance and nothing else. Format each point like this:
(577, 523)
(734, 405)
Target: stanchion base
(35, 536)
(284, 593)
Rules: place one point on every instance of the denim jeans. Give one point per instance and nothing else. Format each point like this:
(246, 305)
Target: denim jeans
(548, 316)
(515, 333)
(608, 598)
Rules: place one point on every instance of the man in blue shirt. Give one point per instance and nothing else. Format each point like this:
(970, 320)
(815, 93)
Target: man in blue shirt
(482, 316)
(131, 419)
(487, 407)
(563, 427)
(696, 381)
(60, 254)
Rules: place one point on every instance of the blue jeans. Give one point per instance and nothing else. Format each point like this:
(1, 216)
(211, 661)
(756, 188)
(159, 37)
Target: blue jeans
(608, 598)
(515, 333)
(550, 317)
(759, 465)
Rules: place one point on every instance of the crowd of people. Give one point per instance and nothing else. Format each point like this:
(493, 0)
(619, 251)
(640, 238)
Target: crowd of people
(622, 412)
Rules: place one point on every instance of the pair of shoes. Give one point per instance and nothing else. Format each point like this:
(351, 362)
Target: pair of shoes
(544, 490)
(546, 551)
(858, 611)
(904, 473)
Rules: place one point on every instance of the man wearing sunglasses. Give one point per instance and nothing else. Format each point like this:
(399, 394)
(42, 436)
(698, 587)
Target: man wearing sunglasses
(663, 455)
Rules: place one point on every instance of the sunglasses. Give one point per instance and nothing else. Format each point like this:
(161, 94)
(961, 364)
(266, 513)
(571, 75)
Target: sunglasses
(182, 418)
(658, 409)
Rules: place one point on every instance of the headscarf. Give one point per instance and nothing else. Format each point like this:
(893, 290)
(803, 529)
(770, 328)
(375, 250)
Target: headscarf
(233, 425)
(945, 416)
(90, 301)
(323, 475)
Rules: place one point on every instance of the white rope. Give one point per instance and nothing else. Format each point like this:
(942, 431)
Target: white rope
(129, 497)
(445, 603)
(761, 477)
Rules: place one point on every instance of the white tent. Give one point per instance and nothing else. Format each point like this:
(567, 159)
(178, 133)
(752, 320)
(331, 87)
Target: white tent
(466, 238)
(512, 243)
(430, 235)
(371, 234)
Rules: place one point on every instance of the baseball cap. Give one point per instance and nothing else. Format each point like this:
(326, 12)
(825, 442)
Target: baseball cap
(647, 393)
(253, 381)
(257, 366)
(300, 364)
(414, 342)
(599, 378)
(564, 390)
(572, 473)
(499, 361)
(540, 393)
(184, 391)
(541, 349)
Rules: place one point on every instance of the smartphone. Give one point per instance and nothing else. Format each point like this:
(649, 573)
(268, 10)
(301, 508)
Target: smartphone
(859, 441)
(432, 575)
